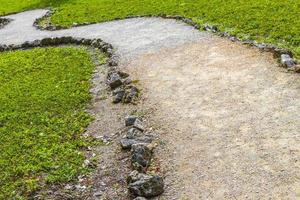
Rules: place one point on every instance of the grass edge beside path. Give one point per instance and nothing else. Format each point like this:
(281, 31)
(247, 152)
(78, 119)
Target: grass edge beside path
(275, 22)
(44, 93)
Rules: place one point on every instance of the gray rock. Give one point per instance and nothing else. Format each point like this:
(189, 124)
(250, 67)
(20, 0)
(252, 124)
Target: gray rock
(211, 28)
(133, 133)
(178, 17)
(17, 46)
(197, 26)
(129, 120)
(146, 186)
(270, 48)
(279, 51)
(123, 74)
(141, 156)
(118, 95)
(287, 61)
(46, 41)
(134, 176)
(233, 39)
(138, 124)
(127, 81)
(96, 43)
(106, 47)
(261, 46)
(109, 52)
(112, 62)
(27, 45)
(2, 48)
(127, 143)
(3, 22)
(188, 21)
(225, 34)
(131, 95)
(248, 42)
(86, 41)
(114, 80)
(36, 43)
(65, 40)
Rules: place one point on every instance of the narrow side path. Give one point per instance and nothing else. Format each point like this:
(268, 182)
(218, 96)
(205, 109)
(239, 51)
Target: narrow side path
(130, 36)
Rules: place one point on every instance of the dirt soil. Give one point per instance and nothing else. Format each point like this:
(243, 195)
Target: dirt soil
(230, 120)
(227, 115)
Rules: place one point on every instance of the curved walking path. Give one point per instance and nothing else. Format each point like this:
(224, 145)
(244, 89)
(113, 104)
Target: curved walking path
(130, 36)
(230, 117)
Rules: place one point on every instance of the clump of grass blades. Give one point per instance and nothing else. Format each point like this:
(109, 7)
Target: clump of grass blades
(43, 96)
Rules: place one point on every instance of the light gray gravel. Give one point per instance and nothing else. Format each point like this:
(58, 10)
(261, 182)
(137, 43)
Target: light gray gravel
(130, 36)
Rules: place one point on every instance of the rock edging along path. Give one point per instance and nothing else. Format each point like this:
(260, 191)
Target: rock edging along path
(129, 37)
(4, 22)
(230, 116)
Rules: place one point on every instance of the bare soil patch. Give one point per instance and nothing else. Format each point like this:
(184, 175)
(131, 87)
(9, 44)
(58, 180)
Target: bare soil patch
(230, 119)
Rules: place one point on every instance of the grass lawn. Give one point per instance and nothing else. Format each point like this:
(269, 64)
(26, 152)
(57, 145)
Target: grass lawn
(272, 21)
(43, 96)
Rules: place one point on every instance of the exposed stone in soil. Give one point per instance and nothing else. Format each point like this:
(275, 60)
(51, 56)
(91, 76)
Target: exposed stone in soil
(126, 143)
(146, 185)
(118, 95)
(4, 22)
(129, 120)
(138, 124)
(287, 61)
(114, 80)
(133, 133)
(141, 156)
(131, 94)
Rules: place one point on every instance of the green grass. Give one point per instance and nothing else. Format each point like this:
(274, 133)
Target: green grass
(13, 6)
(43, 96)
(272, 21)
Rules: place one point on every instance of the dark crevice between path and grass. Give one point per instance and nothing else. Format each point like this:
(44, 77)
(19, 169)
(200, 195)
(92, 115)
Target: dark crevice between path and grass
(274, 22)
(44, 94)
(4, 22)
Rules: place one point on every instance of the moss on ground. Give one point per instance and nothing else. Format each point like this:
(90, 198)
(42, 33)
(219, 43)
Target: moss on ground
(43, 96)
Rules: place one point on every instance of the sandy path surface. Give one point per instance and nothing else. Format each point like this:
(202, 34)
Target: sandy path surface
(230, 116)
(130, 37)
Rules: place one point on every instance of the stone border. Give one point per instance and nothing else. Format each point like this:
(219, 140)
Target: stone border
(121, 85)
(141, 143)
(56, 41)
(4, 22)
(123, 91)
(284, 56)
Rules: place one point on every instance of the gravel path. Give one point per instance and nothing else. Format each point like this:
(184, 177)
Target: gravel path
(230, 116)
(130, 36)
(230, 119)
